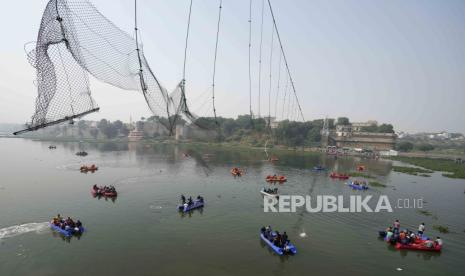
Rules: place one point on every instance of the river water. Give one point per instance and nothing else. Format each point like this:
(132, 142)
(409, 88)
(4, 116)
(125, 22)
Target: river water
(141, 233)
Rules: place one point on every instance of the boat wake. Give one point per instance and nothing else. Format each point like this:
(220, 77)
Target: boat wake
(8, 232)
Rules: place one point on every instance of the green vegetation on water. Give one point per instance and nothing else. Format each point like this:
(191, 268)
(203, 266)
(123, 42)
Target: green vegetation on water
(440, 228)
(377, 184)
(410, 170)
(425, 213)
(453, 169)
(359, 174)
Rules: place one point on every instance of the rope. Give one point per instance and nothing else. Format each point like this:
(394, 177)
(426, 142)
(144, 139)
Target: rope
(250, 72)
(60, 21)
(289, 105)
(214, 61)
(260, 60)
(141, 74)
(183, 82)
(185, 47)
(277, 90)
(271, 68)
(285, 94)
(285, 60)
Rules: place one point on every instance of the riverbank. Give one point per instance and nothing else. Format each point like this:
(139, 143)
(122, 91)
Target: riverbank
(450, 168)
(450, 154)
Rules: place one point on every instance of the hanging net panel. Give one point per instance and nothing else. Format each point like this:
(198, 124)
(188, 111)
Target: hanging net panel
(76, 40)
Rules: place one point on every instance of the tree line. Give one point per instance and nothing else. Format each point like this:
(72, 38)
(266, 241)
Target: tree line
(244, 129)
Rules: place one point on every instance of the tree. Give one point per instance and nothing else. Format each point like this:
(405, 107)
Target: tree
(343, 121)
(111, 131)
(118, 124)
(371, 128)
(82, 125)
(229, 126)
(314, 135)
(102, 125)
(245, 121)
(404, 146)
(386, 128)
(124, 130)
(425, 147)
(140, 125)
(94, 132)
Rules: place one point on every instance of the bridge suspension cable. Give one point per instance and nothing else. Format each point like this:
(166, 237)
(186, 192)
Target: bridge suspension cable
(277, 89)
(250, 71)
(285, 60)
(271, 70)
(260, 60)
(214, 60)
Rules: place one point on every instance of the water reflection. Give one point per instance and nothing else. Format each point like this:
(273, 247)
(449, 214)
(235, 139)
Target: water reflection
(204, 155)
(282, 258)
(190, 212)
(106, 198)
(67, 239)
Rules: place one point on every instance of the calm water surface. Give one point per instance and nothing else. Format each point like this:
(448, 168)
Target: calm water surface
(141, 233)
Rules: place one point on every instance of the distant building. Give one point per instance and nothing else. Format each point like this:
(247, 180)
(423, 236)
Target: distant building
(357, 127)
(135, 135)
(343, 130)
(352, 137)
(181, 132)
(388, 153)
(364, 140)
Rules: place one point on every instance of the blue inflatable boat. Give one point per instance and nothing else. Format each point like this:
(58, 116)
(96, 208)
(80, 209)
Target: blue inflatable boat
(357, 187)
(319, 168)
(67, 233)
(280, 251)
(196, 204)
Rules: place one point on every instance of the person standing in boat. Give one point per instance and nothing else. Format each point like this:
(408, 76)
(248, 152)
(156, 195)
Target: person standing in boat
(183, 199)
(438, 241)
(397, 224)
(389, 234)
(268, 232)
(285, 238)
(277, 239)
(421, 229)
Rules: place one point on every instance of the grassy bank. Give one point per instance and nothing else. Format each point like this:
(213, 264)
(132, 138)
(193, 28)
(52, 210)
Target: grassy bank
(452, 169)
(411, 170)
(441, 228)
(359, 174)
(377, 184)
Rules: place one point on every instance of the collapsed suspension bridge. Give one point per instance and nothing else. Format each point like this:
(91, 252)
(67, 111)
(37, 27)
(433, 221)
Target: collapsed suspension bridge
(75, 41)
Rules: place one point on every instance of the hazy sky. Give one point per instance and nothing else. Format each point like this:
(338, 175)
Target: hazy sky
(400, 62)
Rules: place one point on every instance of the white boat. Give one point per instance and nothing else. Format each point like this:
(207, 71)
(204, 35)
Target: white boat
(268, 194)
